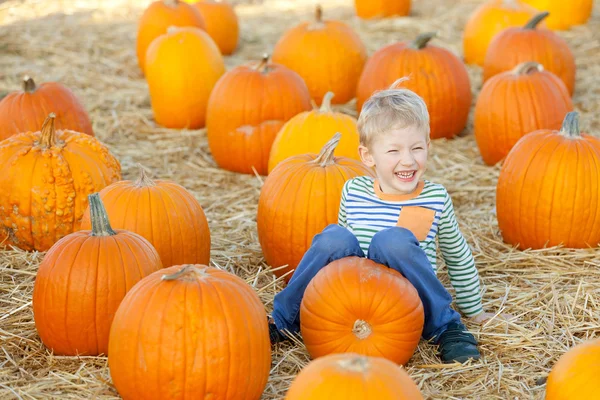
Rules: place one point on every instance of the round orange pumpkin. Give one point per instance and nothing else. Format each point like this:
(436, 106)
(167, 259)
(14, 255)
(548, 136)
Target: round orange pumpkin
(163, 212)
(160, 15)
(221, 23)
(26, 110)
(202, 329)
(182, 67)
(489, 19)
(564, 13)
(308, 132)
(436, 74)
(299, 198)
(45, 179)
(246, 109)
(514, 103)
(353, 377)
(548, 190)
(82, 280)
(517, 45)
(337, 313)
(382, 8)
(327, 54)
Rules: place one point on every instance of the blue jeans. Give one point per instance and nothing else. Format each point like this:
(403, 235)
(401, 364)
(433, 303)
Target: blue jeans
(394, 247)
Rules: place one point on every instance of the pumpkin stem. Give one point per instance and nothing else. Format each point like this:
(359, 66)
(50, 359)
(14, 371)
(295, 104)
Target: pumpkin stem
(326, 104)
(570, 125)
(171, 3)
(325, 157)
(100, 224)
(527, 68)
(143, 179)
(421, 41)
(263, 66)
(361, 329)
(189, 272)
(319, 13)
(355, 364)
(28, 84)
(534, 22)
(48, 138)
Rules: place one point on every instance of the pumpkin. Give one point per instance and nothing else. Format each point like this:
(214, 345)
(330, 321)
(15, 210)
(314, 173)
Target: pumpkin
(575, 374)
(489, 19)
(163, 212)
(564, 14)
(45, 178)
(246, 109)
(436, 74)
(299, 198)
(382, 8)
(337, 313)
(182, 67)
(221, 23)
(327, 54)
(82, 280)
(353, 377)
(516, 45)
(26, 110)
(514, 103)
(308, 132)
(202, 329)
(160, 15)
(539, 200)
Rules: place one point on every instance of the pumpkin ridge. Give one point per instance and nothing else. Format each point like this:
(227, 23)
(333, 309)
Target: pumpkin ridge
(81, 244)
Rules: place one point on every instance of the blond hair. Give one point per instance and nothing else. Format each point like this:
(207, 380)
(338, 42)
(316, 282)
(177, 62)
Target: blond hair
(392, 108)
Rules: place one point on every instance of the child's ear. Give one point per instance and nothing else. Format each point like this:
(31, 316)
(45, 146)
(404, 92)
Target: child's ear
(365, 156)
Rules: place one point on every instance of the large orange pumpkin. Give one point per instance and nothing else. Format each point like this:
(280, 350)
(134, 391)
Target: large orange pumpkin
(327, 54)
(163, 212)
(549, 189)
(246, 109)
(337, 313)
(182, 67)
(350, 376)
(26, 110)
(489, 19)
(436, 74)
(45, 179)
(564, 13)
(221, 23)
(517, 45)
(382, 8)
(160, 15)
(190, 332)
(308, 132)
(299, 198)
(82, 280)
(514, 103)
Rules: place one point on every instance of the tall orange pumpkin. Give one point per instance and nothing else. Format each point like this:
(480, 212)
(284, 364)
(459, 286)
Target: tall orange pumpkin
(246, 109)
(549, 189)
(337, 313)
(327, 54)
(308, 132)
(517, 45)
(190, 332)
(436, 74)
(45, 179)
(353, 377)
(489, 19)
(182, 67)
(564, 13)
(299, 198)
(26, 110)
(221, 23)
(514, 103)
(382, 8)
(163, 212)
(82, 280)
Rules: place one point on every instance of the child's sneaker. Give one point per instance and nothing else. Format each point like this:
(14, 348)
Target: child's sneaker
(456, 344)
(274, 334)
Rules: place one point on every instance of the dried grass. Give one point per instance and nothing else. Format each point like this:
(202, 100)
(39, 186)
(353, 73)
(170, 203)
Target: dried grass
(89, 45)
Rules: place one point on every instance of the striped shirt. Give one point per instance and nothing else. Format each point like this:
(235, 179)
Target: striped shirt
(365, 210)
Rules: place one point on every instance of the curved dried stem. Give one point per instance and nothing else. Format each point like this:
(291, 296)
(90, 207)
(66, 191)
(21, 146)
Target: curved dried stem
(528, 68)
(355, 364)
(263, 66)
(48, 138)
(318, 13)
(188, 272)
(326, 103)
(99, 217)
(570, 125)
(534, 22)
(325, 157)
(422, 40)
(28, 84)
(143, 179)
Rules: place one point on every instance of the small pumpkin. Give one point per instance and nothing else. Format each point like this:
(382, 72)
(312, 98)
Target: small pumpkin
(436, 74)
(157, 17)
(382, 8)
(221, 23)
(514, 103)
(539, 201)
(337, 313)
(203, 329)
(489, 19)
(353, 377)
(26, 110)
(246, 109)
(182, 67)
(308, 132)
(564, 14)
(45, 180)
(82, 280)
(163, 212)
(327, 54)
(517, 45)
(299, 198)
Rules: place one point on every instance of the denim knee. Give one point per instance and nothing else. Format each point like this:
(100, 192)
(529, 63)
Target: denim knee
(334, 237)
(396, 238)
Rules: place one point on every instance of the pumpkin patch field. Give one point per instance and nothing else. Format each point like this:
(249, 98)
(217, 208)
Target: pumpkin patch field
(165, 164)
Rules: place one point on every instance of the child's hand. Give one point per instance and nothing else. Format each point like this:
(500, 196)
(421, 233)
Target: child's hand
(484, 316)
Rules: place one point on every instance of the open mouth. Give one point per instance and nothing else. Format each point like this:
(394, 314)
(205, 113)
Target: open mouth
(406, 176)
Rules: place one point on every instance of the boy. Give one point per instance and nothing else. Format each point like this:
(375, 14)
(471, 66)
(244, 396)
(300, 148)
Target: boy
(394, 220)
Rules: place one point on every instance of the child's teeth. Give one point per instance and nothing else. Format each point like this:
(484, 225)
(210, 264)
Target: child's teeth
(405, 174)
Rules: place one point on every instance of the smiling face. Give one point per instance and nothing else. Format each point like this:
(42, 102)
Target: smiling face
(399, 157)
